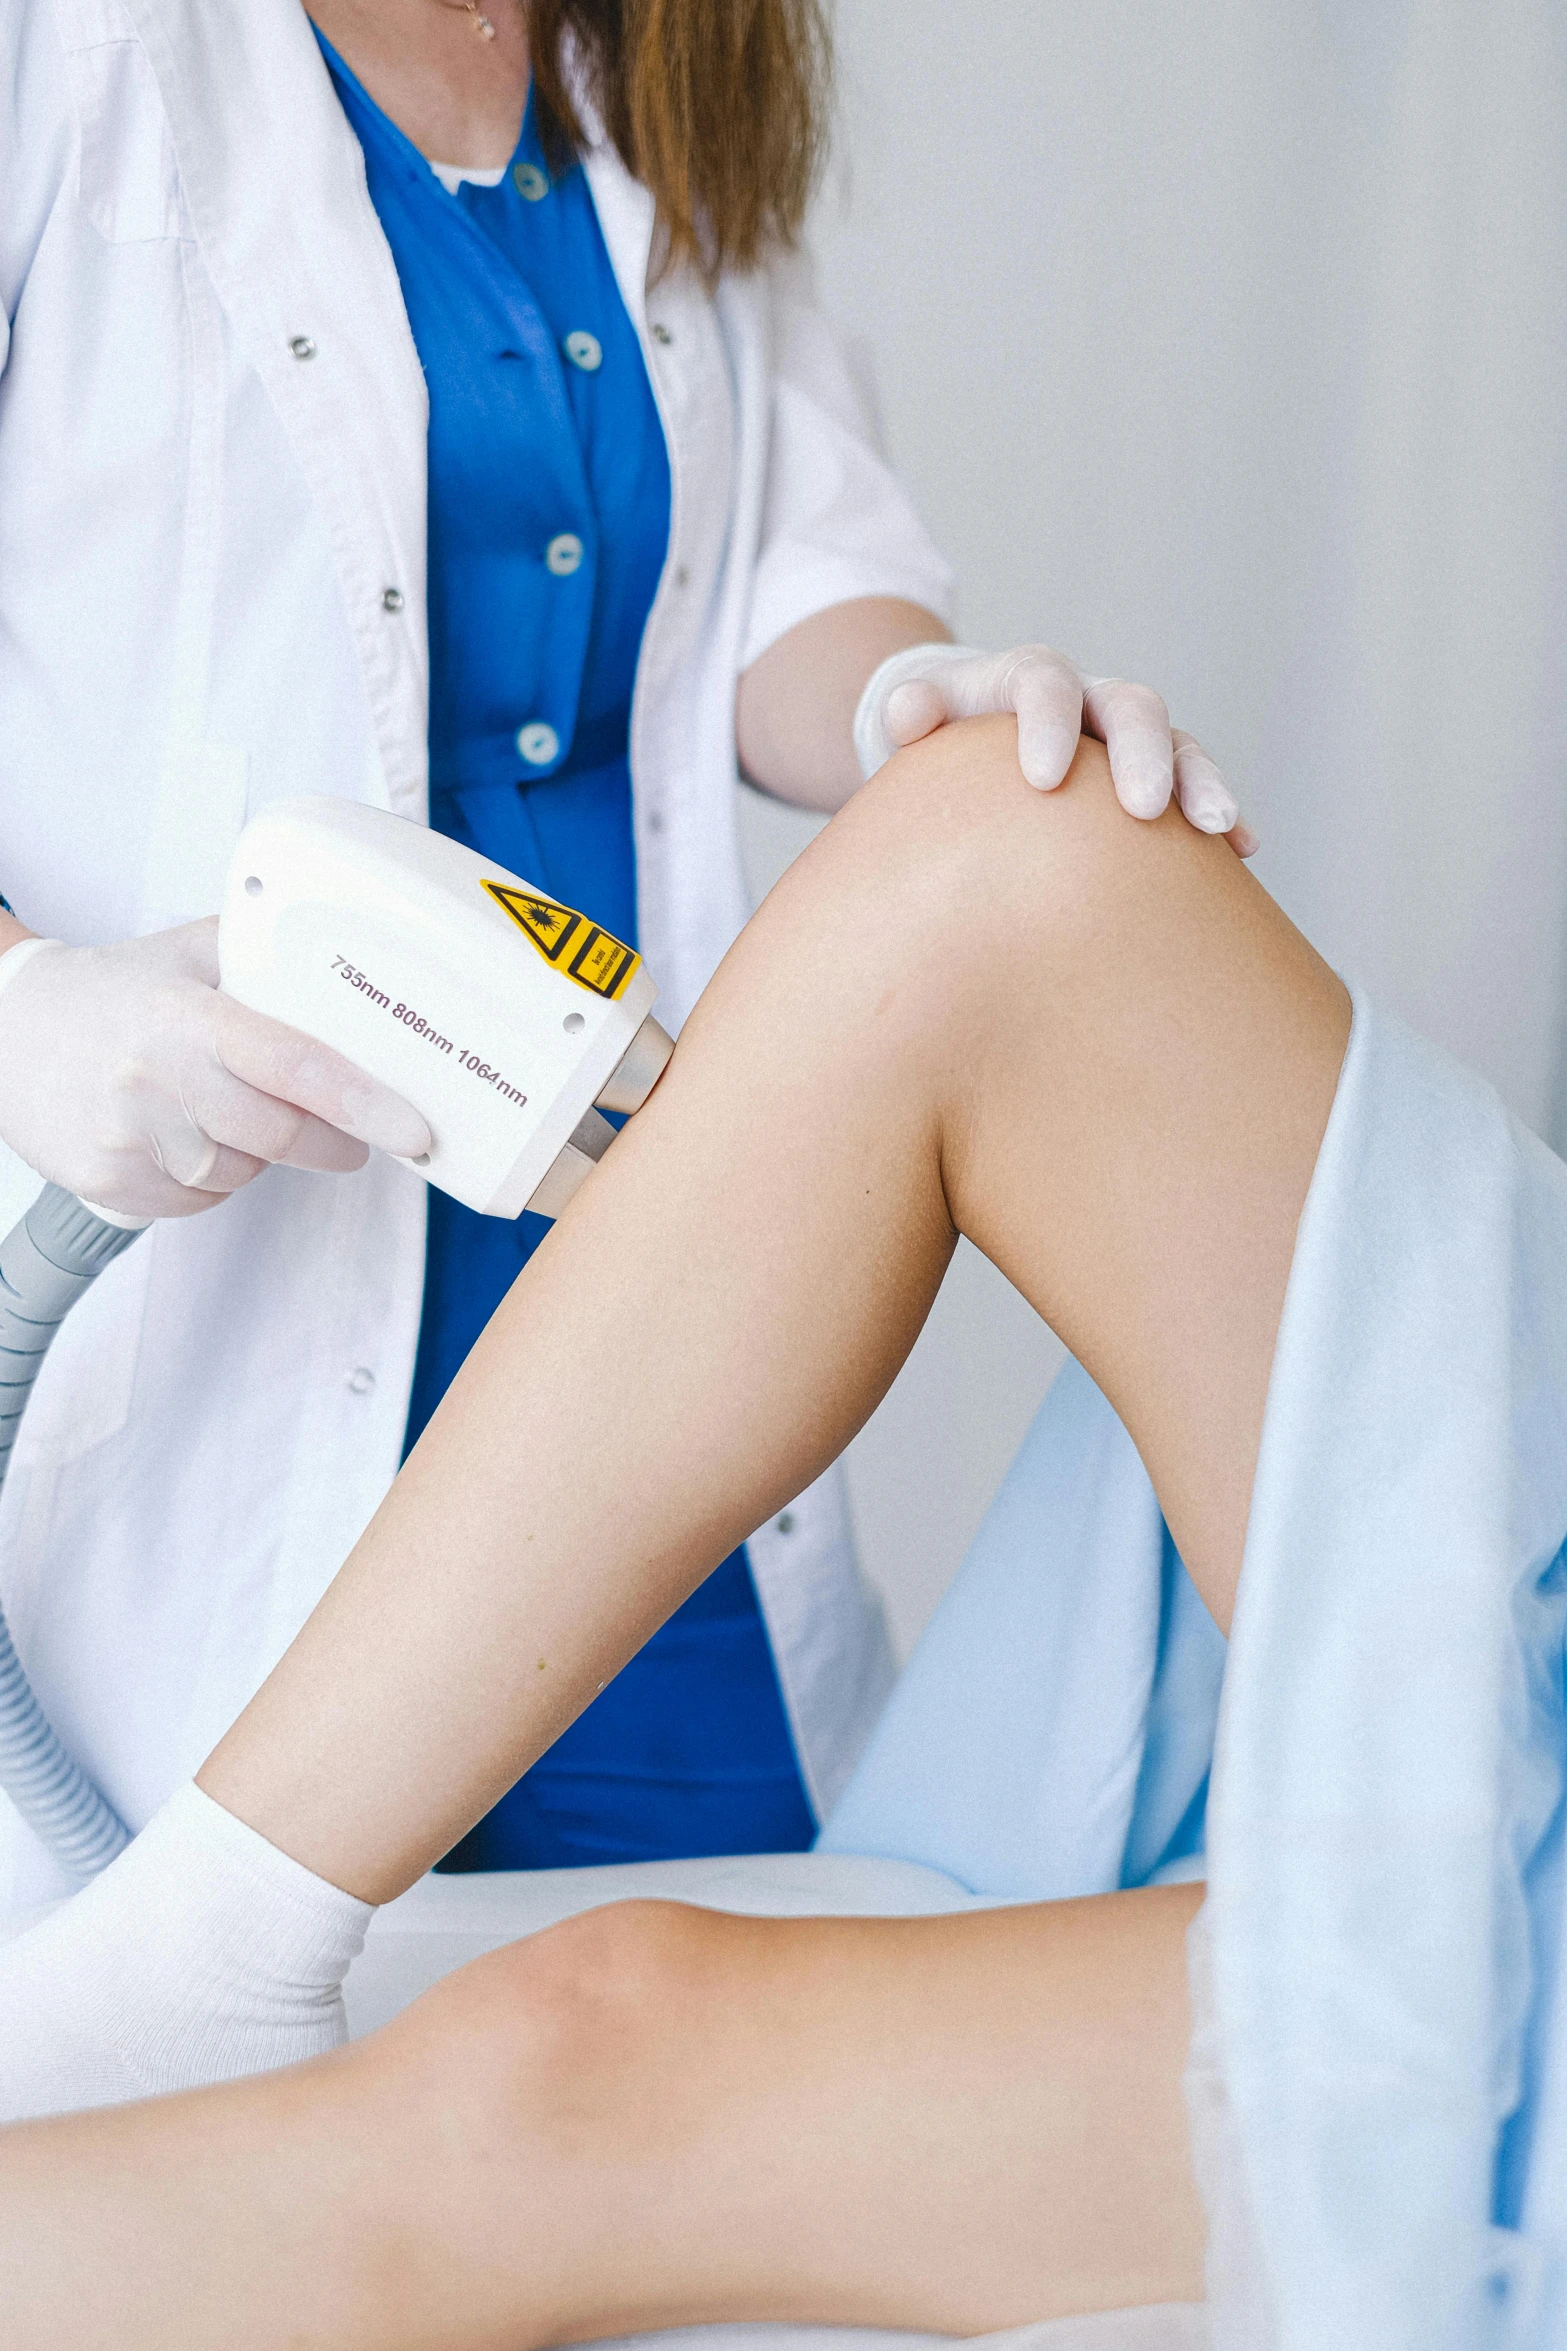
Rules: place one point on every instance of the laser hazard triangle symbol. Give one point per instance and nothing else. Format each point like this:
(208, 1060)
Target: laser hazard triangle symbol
(568, 942)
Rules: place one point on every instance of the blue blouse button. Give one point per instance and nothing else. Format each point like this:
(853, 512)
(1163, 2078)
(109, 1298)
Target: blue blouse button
(564, 554)
(538, 743)
(530, 181)
(584, 351)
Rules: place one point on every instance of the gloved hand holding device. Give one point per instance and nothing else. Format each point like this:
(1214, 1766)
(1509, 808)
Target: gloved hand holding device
(129, 1079)
(926, 686)
(143, 1087)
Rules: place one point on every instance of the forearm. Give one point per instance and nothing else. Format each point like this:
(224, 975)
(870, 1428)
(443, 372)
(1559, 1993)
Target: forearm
(1094, 1045)
(794, 711)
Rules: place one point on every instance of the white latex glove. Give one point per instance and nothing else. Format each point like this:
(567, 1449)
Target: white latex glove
(126, 1076)
(924, 687)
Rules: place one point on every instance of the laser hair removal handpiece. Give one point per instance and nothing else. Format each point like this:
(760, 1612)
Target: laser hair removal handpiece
(508, 1021)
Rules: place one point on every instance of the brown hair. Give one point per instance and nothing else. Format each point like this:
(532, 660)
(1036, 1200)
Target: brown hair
(718, 106)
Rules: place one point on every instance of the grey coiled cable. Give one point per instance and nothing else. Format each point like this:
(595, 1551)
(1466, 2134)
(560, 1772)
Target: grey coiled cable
(46, 1262)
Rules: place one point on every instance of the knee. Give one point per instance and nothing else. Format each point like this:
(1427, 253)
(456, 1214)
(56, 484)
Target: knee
(550, 2046)
(977, 895)
(518, 2105)
(957, 848)
(599, 1984)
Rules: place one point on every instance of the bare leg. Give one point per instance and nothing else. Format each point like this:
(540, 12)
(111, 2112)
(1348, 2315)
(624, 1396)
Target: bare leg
(1097, 1047)
(652, 2116)
(1094, 1045)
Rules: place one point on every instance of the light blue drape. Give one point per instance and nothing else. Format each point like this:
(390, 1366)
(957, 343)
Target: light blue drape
(1379, 2078)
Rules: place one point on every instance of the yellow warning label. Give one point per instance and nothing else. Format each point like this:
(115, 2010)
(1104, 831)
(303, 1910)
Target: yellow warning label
(568, 941)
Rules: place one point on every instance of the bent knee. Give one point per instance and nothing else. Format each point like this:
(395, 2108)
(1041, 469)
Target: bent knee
(603, 1972)
(960, 793)
(566, 2032)
(970, 887)
(953, 845)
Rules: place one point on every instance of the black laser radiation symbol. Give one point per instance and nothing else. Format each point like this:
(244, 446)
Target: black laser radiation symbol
(568, 941)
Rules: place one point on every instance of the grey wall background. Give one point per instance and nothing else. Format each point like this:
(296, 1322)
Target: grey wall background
(1225, 346)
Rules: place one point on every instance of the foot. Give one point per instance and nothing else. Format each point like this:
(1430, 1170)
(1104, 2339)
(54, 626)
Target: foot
(202, 1954)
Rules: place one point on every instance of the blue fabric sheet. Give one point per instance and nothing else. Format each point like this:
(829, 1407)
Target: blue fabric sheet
(548, 525)
(1379, 2074)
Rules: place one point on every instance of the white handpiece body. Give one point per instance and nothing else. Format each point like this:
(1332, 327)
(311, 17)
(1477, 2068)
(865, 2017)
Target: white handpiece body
(498, 1013)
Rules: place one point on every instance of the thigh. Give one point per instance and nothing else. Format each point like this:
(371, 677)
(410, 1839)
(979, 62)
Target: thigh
(1133, 1130)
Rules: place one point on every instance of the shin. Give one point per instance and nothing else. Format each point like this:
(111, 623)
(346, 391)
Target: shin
(1093, 1044)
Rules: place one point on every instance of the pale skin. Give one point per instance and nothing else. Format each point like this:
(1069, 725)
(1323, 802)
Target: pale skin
(1099, 1049)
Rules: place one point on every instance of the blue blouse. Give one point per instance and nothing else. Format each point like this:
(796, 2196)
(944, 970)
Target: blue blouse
(548, 524)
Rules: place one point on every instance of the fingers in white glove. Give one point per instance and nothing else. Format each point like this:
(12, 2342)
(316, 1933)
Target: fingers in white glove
(181, 1149)
(337, 1097)
(927, 686)
(1134, 726)
(914, 710)
(1047, 694)
(192, 950)
(931, 666)
(1204, 798)
(240, 1130)
(133, 1182)
(128, 1077)
(1041, 687)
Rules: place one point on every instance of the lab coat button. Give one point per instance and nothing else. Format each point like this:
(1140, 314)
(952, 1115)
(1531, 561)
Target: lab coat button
(302, 347)
(361, 1381)
(538, 743)
(584, 351)
(786, 1523)
(564, 554)
(661, 333)
(391, 599)
(530, 181)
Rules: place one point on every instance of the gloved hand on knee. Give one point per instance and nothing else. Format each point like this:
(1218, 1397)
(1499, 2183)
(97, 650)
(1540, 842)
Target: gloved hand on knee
(927, 686)
(127, 1076)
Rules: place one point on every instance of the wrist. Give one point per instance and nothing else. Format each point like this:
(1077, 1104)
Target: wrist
(873, 746)
(18, 948)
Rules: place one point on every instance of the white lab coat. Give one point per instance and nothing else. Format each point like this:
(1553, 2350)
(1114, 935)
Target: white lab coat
(212, 449)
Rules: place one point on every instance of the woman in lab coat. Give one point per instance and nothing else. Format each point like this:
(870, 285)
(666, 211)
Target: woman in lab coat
(416, 403)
